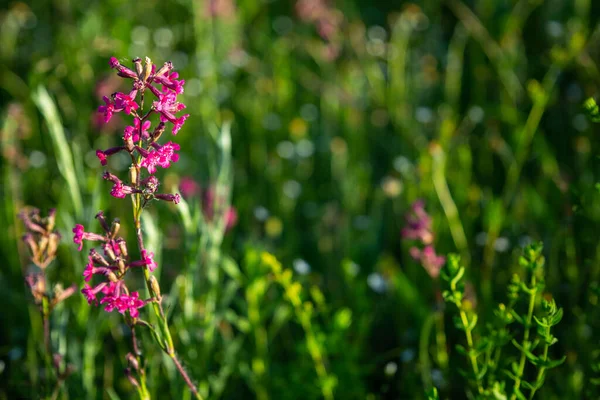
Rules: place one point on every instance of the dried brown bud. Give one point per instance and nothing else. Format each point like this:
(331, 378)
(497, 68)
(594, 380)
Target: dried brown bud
(53, 241)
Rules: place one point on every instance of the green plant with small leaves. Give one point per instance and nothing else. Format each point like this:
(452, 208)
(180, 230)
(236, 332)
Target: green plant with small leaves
(497, 370)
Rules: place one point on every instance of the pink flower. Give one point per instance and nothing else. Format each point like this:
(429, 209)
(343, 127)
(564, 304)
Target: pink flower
(120, 191)
(80, 235)
(112, 289)
(101, 156)
(78, 238)
(108, 109)
(148, 259)
(91, 292)
(162, 156)
(113, 62)
(124, 303)
(133, 132)
(169, 82)
(126, 101)
(88, 272)
(104, 154)
(178, 123)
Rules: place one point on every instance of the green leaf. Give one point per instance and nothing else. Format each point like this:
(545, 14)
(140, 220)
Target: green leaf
(62, 151)
(554, 363)
(432, 394)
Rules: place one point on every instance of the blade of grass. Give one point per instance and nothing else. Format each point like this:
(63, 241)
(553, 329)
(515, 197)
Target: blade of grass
(62, 151)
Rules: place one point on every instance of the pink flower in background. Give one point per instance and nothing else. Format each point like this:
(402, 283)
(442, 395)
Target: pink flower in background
(326, 19)
(220, 8)
(189, 187)
(208, 206)
(429, 260)
(418, 224)
(418, 227)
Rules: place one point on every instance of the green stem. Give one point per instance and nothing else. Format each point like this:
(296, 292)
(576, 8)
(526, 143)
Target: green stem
(163, 324)
(470, 344)
(542, 369)
(525, 346)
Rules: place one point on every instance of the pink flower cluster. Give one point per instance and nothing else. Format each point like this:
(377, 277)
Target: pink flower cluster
(113, 264)
(141, 143)
(326, 18)
(418, 227)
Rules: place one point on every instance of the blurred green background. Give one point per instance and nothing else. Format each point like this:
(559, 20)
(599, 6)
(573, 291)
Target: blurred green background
(321, 121)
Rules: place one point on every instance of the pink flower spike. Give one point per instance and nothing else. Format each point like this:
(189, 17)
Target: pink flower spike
(148, 258)
(78, 238)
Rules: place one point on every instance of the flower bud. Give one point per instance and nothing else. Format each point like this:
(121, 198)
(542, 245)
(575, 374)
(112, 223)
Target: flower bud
(133, 176)
(147, 69)
(122, 247)
(53, 241)
(137, 62)
(158, 131)
(51, 220)
(155, 287)
(175, 198)
(102, 219)
(112, 277)
(109, 252)
(42, 244)
(121, 265)
(166, 68)
(131, 379)
(132, 361)
(114, 228)
(31, 244)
